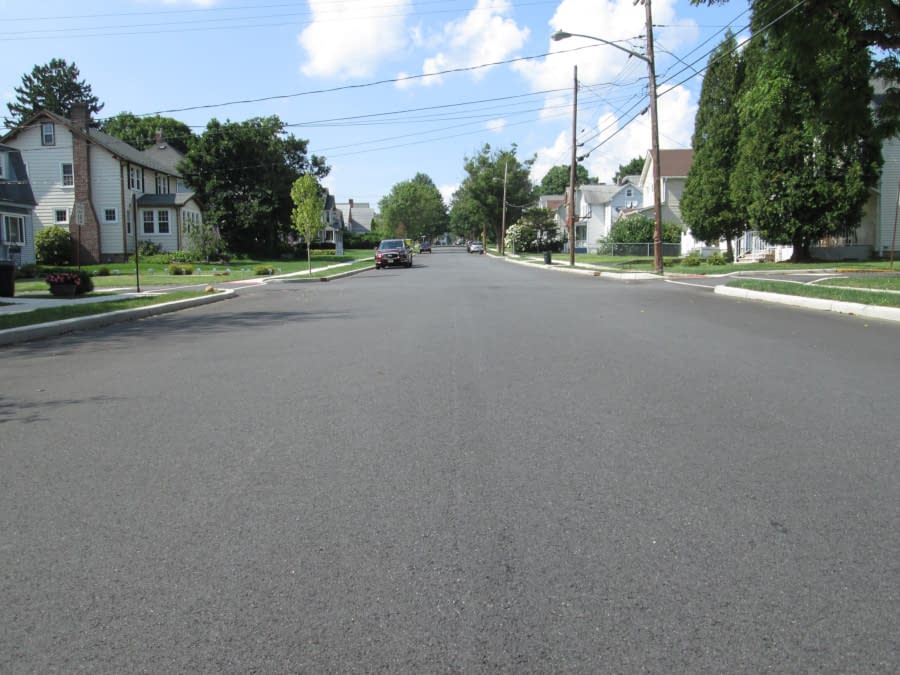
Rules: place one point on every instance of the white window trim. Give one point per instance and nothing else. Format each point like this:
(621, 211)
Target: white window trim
(62, 175)
(20, 229)
(162, 181)
(56, 212)
(115, 215)
(52, 128)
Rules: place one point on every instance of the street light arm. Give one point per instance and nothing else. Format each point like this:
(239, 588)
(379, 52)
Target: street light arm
(562, 35)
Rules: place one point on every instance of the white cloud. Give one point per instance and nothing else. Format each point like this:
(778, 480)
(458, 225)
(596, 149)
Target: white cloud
(485, 35)
(447, 192)
(349, 39)
(496, 125)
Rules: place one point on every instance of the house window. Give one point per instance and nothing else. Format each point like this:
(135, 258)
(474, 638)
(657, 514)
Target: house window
(110, 216)
(48, 134)
(61, 216)
(68, 175)
(14, 229)
(162, 222)
(2, 163)
(628, 192)
(148, 222)
(139, 179)
(134, 178)
(162, 185)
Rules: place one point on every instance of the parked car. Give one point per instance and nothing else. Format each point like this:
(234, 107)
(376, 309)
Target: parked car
(476, 247)
(393, 252)
(425, 247)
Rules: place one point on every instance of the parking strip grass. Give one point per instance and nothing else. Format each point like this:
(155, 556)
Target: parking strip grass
(865, 297)
(62, 312)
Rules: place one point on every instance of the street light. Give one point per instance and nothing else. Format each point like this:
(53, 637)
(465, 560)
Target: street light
(654, 125)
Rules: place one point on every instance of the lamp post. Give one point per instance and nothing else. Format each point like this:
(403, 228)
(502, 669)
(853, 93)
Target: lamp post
(654, 124)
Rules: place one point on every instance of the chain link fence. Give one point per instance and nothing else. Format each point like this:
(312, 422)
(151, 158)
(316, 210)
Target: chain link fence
(640, 250)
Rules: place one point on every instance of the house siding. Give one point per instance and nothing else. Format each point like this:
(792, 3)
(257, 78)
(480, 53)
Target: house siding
(106, 194)
(44, 173)
(888, 198)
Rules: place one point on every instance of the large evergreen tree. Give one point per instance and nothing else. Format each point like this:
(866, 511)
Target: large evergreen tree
(809, 147)
(243, 173)
(707, 205)
(477, 205)
(414, 209)
(140, 132)
(55, 87)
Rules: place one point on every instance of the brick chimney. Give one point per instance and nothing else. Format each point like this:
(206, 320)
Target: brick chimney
(87, 234)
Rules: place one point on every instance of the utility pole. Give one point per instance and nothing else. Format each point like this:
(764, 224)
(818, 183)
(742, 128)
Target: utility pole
(654, 148)
(570, 211)
(502, 243)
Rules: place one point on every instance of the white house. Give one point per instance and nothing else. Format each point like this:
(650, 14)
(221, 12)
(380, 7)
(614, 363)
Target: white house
(597, 207)
(16, 209)
(107, 193)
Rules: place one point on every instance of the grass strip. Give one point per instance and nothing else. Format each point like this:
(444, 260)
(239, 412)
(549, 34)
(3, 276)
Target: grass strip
(62, 312)
(873, 297)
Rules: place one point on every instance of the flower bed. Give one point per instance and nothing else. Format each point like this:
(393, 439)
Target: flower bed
(69, 283)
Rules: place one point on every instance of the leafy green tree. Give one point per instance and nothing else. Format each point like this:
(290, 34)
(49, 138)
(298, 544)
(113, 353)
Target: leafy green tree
(809, 147)
(477, 205)
(707, 205)
(634, 168)
(639, 229)
(204, 242)
(556, 180)
(536, 230)
(308, 209)
(54, 87)
(243, 172)
(414, 209)
(870, 26)
(140, 132)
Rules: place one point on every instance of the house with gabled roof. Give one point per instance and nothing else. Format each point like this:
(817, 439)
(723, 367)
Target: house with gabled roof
(597, 207)
(108, 194)
(358, 216)
(16, 209)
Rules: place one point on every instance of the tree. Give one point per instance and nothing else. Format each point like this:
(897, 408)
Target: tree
(707, 204)
(536, 230)
(140, 132)
(306, 216)
(54, 87)
(414, 209)
(243, 172)
(871, 26)
(556, 180)
(477, 206)
(634, 168)
(809, 146)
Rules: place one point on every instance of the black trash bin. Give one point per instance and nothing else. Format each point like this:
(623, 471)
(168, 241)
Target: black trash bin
(546, 257)
(7, 279)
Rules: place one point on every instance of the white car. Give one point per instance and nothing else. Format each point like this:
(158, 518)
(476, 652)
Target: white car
(476, 247)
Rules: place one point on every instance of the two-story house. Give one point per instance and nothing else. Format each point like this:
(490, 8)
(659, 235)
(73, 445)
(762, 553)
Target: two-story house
(16, 209)
(108, 194)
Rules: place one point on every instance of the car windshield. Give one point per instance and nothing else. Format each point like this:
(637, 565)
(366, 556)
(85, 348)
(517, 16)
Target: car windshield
(392, 244)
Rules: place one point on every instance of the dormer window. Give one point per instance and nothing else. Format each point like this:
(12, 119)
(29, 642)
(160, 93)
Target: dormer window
(48, 134)
(628, 192)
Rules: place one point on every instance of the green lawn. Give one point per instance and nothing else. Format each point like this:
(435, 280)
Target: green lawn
(880, 298)
(154, 274)
(59, 313)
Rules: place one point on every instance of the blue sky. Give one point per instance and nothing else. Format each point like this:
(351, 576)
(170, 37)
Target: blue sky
(385, 89)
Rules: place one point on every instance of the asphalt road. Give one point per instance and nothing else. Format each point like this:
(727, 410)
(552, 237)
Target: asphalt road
(468, 466)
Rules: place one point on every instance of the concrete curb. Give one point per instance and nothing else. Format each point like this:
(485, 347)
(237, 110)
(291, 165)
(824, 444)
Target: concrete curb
(330, 277)
(54, 328)
(584, 271)
(821, 304)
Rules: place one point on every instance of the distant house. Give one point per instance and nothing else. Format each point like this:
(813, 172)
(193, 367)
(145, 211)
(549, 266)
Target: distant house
(358, 216)
(598, 207)
(16, 208)
(108, 194)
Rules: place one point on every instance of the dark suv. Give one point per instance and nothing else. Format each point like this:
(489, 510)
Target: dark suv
(393, 252)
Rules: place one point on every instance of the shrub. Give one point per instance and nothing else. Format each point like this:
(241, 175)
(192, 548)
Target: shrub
(180, 257)
(148, 248)
(29, 271)
(176, 270)
(692, 259)
(264, 270)
(716, 259)
(103, 272)
(53, 245)
(81, 280)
